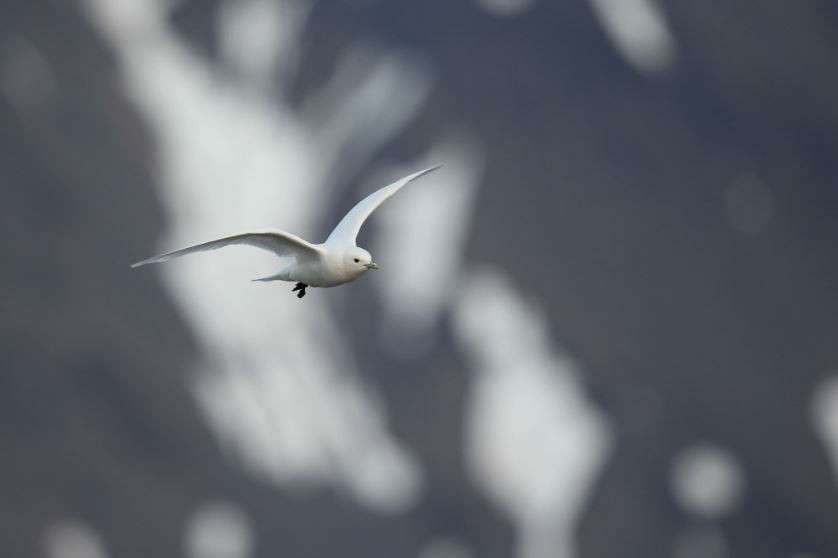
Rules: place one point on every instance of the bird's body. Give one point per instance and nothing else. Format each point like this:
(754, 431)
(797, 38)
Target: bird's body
(331, 263)
(327, 268)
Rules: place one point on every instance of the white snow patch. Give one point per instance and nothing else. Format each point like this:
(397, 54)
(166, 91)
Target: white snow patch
(279, 385)
(505, 8)
(259, 39)
(534, 442)
(445, 548)
(219, 530)
(71, 538)
(369, 98)
(825, 419)
(420, 240)
(707, 481)
(639, 31)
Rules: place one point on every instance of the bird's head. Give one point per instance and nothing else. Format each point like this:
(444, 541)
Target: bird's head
(359, 260)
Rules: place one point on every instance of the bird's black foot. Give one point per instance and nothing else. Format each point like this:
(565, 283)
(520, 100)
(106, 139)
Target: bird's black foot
(300, 287)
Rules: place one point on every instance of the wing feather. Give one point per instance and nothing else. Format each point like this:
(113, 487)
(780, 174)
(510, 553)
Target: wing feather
(347, 230)
(279, 242)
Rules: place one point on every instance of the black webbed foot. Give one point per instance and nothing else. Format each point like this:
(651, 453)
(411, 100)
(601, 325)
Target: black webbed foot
(301, 287)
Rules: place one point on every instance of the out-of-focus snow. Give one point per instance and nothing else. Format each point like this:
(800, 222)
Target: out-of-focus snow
(71, 538)
(369, 98)
(259, 39)
(535, 443)
(445, 548)
(825, 418)
(707, 481)
(420, 239)
(505, 8)
(219, 530)
(278, 383)
(639, 31)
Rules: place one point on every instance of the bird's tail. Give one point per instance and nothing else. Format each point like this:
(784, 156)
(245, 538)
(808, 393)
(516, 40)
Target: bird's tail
(277, 277)
(282, 275)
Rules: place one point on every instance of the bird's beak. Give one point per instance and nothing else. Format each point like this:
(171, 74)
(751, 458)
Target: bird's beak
(373, 265)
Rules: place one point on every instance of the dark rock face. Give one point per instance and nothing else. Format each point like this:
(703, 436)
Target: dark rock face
(688, 220)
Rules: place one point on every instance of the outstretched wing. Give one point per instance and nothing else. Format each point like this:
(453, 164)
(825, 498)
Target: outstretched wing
(347, 230)
(279, 242)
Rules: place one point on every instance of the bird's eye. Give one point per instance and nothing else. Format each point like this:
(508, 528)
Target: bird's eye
(357, 260)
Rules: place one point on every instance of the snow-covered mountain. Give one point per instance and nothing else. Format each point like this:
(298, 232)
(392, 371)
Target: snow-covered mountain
(606, 328)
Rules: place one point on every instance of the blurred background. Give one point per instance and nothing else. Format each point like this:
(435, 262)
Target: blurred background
(607, 327)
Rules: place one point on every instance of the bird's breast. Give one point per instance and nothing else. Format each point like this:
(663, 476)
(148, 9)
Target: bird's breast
(323, 273)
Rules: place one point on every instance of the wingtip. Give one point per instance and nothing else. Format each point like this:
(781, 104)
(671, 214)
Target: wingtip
(426, 171)
(142, 263)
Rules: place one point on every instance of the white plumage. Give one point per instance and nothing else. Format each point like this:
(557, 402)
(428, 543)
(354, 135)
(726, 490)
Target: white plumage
(334, 262)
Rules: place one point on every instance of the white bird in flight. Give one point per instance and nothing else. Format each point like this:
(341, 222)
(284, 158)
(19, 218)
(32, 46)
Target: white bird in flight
(331, 263)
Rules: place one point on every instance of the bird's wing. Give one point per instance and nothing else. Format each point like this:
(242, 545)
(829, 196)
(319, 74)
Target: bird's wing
(347, 230)
(279, 242)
